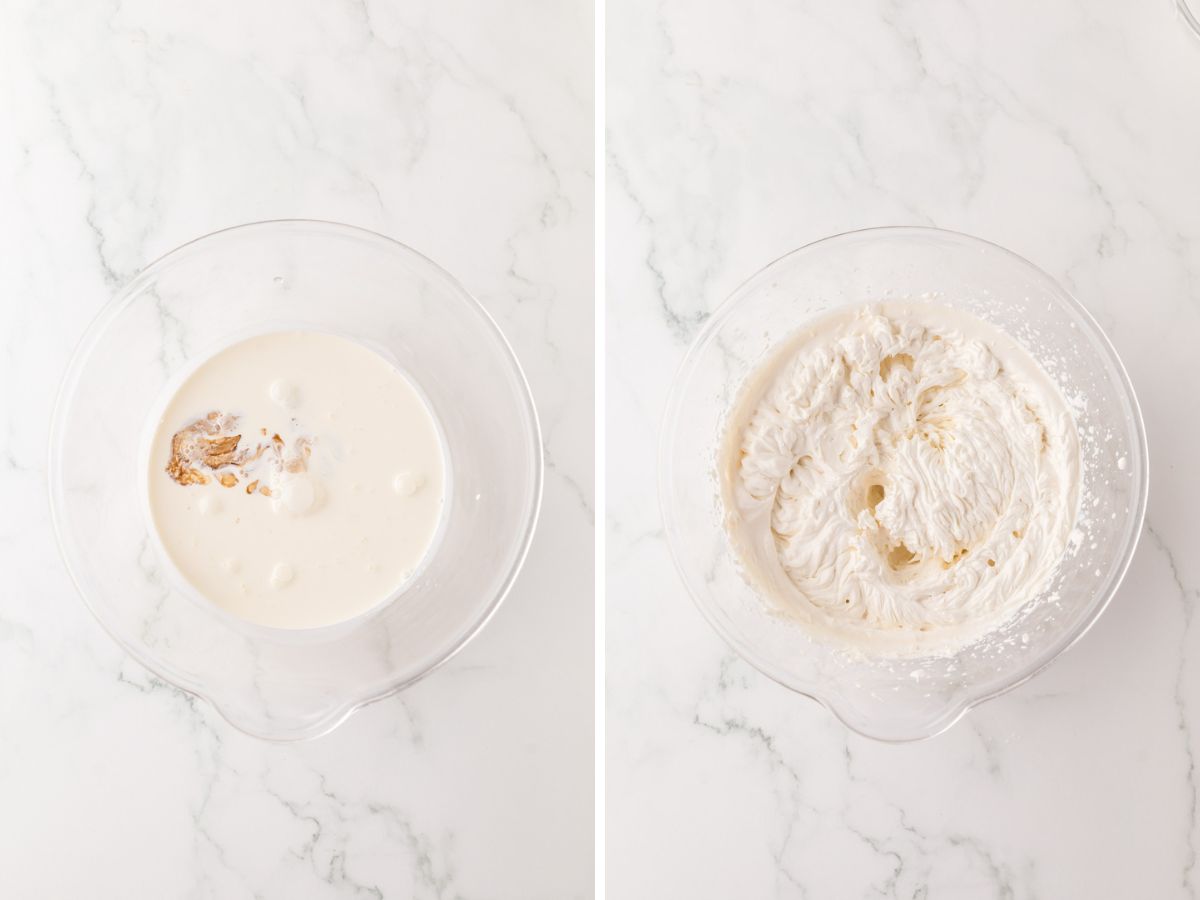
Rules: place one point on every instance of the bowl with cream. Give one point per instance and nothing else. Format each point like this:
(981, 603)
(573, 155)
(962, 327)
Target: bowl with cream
(902, 470)
(295, 467)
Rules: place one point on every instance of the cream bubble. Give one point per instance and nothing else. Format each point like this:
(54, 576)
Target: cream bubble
(408, 483)
(296, 495)
(282, 575)
(284, 393)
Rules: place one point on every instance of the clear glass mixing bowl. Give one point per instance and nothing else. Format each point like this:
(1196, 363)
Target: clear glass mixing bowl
(904, 699)
(287, 275)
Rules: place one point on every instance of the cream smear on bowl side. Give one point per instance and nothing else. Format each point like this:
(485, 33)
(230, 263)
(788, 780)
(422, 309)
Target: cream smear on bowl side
(902, 477)
(296, 479)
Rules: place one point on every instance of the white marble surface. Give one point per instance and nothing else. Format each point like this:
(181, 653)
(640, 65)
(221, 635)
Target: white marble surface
(461, 128)
(1069, 132)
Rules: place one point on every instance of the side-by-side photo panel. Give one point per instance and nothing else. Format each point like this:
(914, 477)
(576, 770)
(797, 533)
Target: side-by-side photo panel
(297, 432)
(897, 300)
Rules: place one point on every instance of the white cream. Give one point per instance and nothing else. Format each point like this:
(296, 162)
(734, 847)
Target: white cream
(312, 531)
(903, 477)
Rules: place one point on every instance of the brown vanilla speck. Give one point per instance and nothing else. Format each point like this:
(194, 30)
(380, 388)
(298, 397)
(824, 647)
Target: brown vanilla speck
(222, 451)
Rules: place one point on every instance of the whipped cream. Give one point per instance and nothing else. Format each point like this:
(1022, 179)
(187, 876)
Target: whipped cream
(903, 477)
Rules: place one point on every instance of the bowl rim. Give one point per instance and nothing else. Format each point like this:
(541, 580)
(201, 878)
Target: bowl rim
(336, 714)
(666, 445)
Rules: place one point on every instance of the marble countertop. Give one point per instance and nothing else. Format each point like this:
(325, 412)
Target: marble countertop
(460, 128)
(1069, 132)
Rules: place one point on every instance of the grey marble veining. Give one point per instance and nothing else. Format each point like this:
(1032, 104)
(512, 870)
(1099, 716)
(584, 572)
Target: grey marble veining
(462, 129)
(1068, 132)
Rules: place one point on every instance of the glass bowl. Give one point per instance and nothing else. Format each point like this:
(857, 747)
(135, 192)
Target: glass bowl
(277, 276)
(904, 699)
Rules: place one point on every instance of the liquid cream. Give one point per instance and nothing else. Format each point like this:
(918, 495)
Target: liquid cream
(903, 476)
(296, 479)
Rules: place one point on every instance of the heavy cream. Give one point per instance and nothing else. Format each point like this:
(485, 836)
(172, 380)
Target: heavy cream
(902, 476)
(296, 479)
